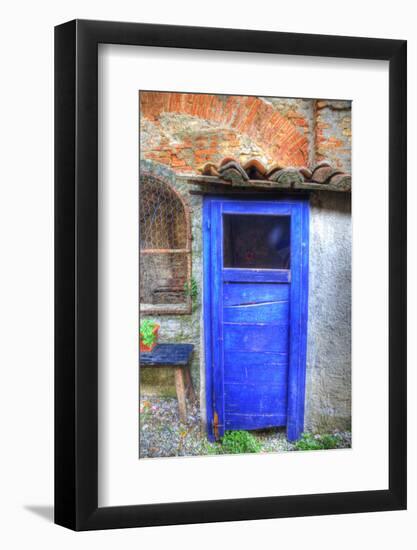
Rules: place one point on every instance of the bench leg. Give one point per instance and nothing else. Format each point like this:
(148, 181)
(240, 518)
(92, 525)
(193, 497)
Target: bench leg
(180, 388)
(189, 383)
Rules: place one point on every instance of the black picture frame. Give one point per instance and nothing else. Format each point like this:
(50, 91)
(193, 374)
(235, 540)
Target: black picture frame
(76, 271)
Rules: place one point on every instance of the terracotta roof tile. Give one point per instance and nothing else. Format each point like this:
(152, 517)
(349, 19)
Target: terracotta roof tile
(230, 171)
(306, 173)
(210, 169)
(323, 174)
(255, 169)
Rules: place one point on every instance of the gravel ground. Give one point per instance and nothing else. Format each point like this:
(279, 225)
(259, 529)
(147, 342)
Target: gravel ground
(162, 434)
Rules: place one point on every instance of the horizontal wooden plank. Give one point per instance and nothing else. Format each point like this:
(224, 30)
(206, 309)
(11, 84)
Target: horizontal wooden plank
(261, 337)
(261, 208)
(235, 421)
(164, 250)
(256, 275)
(254, 367)
(164, 355)
(246, 293)
(255, 398)
(206, 181)
(269, 311)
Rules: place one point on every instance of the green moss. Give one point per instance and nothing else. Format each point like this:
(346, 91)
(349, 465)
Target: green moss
(158, 382)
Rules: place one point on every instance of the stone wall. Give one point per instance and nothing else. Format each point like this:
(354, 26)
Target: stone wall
(178, 328)
(184, 131)
(333, 133)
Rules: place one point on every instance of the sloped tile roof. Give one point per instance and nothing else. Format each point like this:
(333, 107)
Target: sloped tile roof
(254, 173)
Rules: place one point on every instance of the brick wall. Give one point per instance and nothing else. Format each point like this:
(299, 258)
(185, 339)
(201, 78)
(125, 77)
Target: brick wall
(184, 131)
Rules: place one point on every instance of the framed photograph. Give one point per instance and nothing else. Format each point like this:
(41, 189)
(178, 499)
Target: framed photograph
(230, 275)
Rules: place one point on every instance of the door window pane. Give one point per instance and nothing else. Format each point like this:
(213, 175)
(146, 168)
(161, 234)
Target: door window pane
(256, 242)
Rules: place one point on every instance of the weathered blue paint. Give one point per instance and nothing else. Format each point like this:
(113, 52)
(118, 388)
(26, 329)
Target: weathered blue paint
(234, 294)
(259, 368)
(256, 275)
(298, 320)
(255, 326)
(167, 355)
(261, 311)
(208, 356)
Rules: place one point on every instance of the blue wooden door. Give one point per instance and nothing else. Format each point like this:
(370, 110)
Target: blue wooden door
(255, 311)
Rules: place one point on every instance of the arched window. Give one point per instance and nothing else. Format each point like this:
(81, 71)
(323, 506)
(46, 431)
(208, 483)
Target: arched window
(165, 251)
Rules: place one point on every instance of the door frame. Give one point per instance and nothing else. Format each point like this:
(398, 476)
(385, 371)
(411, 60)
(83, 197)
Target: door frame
(299, 207)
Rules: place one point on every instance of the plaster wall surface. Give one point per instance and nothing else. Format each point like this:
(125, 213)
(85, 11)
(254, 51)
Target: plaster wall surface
(328, 371)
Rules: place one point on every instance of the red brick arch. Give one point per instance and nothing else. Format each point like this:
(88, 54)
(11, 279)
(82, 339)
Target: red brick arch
(281, 137)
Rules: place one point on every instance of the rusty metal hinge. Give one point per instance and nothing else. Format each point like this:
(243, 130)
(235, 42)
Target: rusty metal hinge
(216, 425)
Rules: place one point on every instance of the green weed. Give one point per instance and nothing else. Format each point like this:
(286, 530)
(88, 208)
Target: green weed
(240, 441)
(311, 442)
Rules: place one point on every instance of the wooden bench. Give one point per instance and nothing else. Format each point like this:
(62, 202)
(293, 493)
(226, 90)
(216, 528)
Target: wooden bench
(177, 356)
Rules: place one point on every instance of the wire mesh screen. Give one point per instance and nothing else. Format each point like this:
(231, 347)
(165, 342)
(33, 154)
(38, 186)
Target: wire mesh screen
(165, 260)
(162, 217)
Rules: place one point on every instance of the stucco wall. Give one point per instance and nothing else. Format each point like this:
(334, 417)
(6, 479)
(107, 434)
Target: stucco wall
(328, 376)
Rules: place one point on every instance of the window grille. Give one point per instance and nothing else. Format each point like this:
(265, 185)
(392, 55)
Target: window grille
(165, 252)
